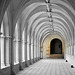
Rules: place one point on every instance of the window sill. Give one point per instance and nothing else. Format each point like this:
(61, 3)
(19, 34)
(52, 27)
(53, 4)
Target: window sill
(2, 67)
(23, 61)
(16, 63)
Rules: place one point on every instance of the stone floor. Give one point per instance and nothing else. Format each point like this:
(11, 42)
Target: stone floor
(49, 67)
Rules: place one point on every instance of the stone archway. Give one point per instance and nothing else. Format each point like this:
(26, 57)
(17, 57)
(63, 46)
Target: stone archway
(56, 46)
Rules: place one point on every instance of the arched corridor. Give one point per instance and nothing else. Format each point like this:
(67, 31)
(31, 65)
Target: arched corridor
(27, 31)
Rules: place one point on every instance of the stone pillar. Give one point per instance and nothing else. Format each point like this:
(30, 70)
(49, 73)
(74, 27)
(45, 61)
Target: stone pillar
(30, 53)
(30, 47)
(73, 43)
(20, 54)
(11, 32)
(33, 54)
(0, 52)
(70, 49)
(36, 50)
(12, 56)
(20, 44)
(26, 62)
(6, 50)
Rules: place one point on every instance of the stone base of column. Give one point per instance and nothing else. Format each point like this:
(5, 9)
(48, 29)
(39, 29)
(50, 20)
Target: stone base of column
(20, 67)
(38, 58)
(1, 73)
(13, 73)
(34, 60)
(31, 61)
(27, 64)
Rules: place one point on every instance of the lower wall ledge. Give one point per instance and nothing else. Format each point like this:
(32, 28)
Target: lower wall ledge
(71, 60)
(7, 70)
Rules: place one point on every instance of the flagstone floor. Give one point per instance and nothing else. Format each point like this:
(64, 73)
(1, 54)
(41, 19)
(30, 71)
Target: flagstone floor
(49, 67)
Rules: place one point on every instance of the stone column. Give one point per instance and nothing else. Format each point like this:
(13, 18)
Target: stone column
(0, 51)
(30, 47)
(20, 44)
(33, 50)
(20, 54)
(12, 56)
(36, 51)
(70, 49)
(73, 44)
(11, 32)
(30, 53)
(26, 62)
(6, 50)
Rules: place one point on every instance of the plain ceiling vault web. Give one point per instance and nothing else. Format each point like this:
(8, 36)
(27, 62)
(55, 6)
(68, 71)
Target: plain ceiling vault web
(51, 16)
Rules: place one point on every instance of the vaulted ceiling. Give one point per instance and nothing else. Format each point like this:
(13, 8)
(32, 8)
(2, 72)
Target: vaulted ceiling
(35, 17)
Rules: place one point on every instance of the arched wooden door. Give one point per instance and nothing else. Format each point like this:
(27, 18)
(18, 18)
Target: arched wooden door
(56, 46)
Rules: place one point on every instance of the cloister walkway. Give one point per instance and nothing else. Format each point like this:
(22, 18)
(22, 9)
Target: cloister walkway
(49, 67)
